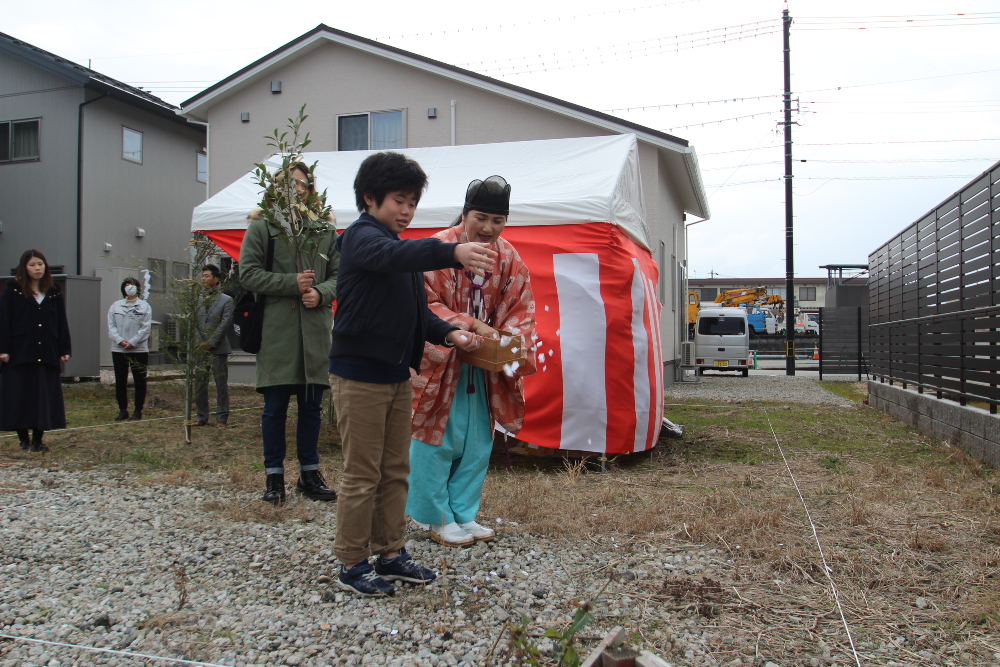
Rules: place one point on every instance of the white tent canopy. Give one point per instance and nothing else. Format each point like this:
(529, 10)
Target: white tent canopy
(555, 181)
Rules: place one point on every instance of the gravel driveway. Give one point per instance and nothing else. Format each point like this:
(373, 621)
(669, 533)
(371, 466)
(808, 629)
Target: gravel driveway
(89, 558)
(735, 389)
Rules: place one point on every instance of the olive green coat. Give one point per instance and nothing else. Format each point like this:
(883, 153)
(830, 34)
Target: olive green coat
(296, 340)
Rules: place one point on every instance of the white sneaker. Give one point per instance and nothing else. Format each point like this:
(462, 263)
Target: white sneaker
(451, 535)
(479, 533)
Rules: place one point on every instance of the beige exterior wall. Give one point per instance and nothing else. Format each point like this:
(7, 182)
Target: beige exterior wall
(334, 79)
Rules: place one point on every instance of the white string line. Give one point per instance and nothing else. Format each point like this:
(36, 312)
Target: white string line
(827, 570)
(114, 652)
(124, 422)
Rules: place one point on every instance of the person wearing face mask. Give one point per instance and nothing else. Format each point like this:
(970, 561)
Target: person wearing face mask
(455, 404)
(34, 341)
(129, 323)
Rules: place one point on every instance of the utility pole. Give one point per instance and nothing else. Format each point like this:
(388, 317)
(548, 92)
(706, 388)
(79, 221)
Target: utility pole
(789, 246)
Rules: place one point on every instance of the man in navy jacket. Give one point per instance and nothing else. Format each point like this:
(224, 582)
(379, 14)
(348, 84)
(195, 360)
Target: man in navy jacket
(379, 331)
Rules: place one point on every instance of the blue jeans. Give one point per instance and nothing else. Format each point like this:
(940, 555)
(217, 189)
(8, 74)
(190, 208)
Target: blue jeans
(272, 425)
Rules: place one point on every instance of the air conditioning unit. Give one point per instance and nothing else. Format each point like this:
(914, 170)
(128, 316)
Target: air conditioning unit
(175, 334)
(687, 354)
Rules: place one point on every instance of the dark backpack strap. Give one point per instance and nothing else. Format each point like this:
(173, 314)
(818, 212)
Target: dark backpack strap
(269, 262)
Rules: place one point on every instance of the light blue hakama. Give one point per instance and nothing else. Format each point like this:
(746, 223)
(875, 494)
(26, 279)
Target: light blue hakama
(446, 482)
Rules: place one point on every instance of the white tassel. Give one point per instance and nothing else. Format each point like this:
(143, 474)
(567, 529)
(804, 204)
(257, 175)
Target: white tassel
(145, 284)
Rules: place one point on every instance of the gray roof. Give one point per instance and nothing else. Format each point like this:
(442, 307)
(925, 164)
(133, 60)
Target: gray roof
(91, 79)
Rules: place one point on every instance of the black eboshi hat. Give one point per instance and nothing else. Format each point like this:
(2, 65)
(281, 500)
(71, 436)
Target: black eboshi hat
(489, 196)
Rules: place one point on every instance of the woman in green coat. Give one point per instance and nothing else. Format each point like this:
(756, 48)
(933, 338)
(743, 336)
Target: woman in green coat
(295, 344)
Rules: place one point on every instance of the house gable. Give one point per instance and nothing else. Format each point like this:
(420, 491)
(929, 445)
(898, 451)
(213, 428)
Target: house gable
(275, 64)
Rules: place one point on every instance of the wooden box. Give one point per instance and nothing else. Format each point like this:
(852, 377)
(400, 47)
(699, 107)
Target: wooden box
(492, 356)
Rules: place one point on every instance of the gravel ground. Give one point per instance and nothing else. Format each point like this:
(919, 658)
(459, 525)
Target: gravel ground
(736, 389)
(89, 558)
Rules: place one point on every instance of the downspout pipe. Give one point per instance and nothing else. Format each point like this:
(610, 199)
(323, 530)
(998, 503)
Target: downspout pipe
(453, 122)
(79, 183)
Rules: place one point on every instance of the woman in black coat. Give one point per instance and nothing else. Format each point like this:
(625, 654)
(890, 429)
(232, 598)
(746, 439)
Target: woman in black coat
(34, 340)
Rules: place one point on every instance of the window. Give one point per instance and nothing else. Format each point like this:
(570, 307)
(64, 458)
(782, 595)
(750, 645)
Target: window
(131, 145)
(202, 167)
(157, 274)
(708, 293)
(807, 294)
(777, 291)
(721, 326)
(181, 271)
(377, 130)
(19, 140)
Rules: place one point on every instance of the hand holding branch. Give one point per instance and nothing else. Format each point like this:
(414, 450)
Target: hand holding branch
(305, 280)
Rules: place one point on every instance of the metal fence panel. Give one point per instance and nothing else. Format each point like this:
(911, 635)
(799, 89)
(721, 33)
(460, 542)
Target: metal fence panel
(935, 299)
(843, 341)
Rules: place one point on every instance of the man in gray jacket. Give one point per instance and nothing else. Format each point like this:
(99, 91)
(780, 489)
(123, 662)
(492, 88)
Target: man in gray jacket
(215, 316)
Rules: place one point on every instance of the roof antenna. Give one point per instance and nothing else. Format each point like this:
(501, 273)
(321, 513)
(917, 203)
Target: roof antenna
(88, 64)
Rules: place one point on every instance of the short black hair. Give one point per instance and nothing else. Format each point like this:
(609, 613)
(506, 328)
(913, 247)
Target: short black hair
(385, 172)
(131, 281)
(216, 273)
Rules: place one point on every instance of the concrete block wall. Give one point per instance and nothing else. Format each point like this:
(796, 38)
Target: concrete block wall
(973, 429)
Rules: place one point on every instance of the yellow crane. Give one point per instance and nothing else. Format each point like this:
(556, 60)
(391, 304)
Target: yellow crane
(748, 296)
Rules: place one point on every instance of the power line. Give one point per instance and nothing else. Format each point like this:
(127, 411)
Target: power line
(675, 38)
(175, 53)
(722, 120)
(677, 105)
(897, 27)
(856, 143)
(915, 141)
(844, 178)
(602, 58)
(811, 160)
(521, 24)
(893, 16)
(815, 90)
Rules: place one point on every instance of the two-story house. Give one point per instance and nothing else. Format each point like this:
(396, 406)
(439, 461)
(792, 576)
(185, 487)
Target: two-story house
(366, 95)
(98, 175)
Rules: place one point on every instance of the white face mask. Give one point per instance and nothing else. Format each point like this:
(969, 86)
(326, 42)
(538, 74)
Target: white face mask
(131, 290)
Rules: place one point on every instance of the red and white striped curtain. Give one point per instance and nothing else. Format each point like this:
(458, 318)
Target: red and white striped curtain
(599, 385)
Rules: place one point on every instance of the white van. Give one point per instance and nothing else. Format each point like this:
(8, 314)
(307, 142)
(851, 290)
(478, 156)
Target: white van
(722, 340)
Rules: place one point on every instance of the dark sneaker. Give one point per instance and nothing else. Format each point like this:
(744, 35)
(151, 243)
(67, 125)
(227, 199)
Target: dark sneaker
(403, 568)
(362, 579)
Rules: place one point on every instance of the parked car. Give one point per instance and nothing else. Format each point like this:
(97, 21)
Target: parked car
(722, 340)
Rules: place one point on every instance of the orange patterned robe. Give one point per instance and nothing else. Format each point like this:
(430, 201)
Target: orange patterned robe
(509, 305)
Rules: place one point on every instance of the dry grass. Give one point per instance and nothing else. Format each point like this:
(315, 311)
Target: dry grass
(900, 516)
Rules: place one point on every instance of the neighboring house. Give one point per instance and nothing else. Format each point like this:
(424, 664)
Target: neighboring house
(809, 292)
(362, 95)
(93, 172)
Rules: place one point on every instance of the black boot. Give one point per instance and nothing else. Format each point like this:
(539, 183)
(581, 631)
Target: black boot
(137, 415)
(122, 415)
(274, 491)
(36, 443)
(25, 445)
(312, 485)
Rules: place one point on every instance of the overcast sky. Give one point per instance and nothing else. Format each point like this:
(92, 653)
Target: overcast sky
(899, 101)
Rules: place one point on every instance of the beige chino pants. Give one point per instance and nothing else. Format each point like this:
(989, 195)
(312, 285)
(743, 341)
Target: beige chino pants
(374, 424)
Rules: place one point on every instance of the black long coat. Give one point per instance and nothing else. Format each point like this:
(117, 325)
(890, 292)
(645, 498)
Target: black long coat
(32, 332)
